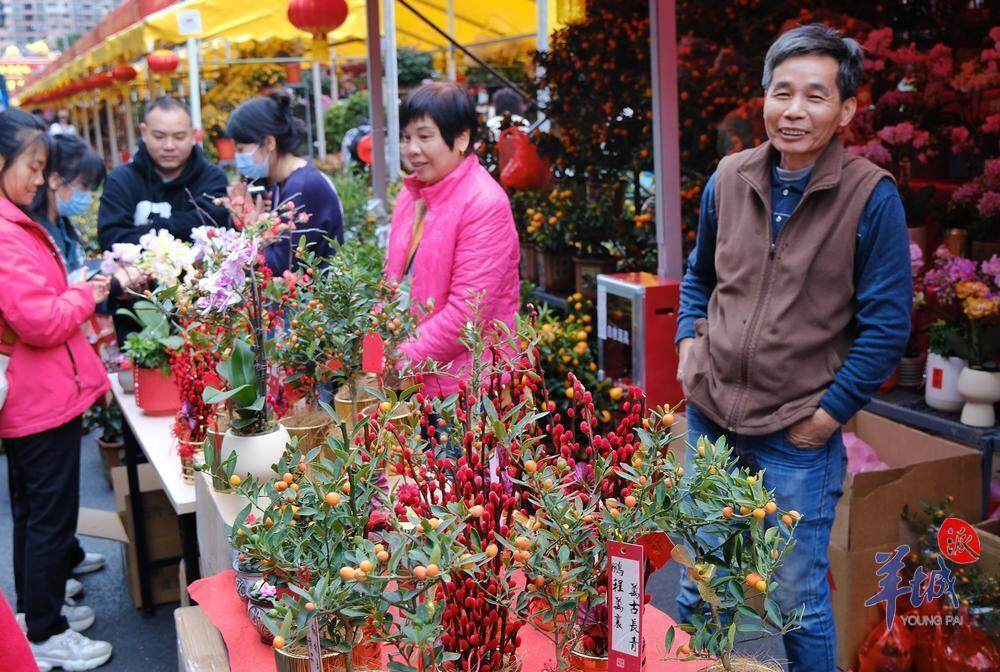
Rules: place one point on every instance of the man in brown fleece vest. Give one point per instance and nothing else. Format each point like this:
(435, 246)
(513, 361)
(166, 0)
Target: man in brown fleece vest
(794, 309)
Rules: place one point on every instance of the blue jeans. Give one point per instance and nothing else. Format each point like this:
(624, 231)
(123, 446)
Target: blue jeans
(811, 482)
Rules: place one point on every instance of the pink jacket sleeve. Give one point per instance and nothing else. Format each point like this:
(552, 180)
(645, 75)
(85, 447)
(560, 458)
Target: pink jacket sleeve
(484, 244)
(40, 315)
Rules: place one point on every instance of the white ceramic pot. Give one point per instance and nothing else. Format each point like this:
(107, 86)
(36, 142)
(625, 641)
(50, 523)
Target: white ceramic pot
(255, 453)
(941, 390)
(981, 390)
(126, 380)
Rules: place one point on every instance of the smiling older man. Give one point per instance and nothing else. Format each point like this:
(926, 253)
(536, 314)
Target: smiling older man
(795, 307)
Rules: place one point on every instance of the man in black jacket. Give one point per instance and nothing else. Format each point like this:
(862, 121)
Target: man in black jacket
(168, 184)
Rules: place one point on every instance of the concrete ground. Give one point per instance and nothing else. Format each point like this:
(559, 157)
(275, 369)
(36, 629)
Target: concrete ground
(148, 644)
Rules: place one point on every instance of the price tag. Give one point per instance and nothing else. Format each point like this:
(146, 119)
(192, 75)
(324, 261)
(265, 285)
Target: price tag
(315, 650)
(373, 353)
(626, 597)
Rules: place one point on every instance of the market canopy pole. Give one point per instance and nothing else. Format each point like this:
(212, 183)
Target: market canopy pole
(541, 46)
(666, 138)
(452, 75)
(129, 123)
(112, 130)
(391, 86)
(98, 139)
(194, 85)
(376, 104)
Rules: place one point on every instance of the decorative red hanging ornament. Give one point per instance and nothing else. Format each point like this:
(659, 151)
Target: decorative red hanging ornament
(521, 167)
(318, 17)
(123, 73)
(162, 61)
(103, 80)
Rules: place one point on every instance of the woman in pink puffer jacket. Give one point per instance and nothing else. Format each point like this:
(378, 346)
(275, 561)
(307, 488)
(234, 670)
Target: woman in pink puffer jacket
(54, 376)
(453, 234)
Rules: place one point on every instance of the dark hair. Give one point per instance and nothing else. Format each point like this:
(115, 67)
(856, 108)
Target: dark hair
(815, 38)
(70, 158)
(448, 105)
(260, 117)
(165, 103)
(507, 100)
(18, 131)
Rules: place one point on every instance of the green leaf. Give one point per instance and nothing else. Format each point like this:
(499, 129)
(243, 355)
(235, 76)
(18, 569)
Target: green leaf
(668, 640)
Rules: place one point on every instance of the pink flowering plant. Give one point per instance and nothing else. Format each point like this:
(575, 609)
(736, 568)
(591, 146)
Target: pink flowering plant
(967, 294)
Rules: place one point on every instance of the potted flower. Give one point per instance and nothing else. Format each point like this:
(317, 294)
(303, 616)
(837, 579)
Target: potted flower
(943, 367)
(253, 437)
(967, 293)
(106, 417)
(149, 350)
(979, 382)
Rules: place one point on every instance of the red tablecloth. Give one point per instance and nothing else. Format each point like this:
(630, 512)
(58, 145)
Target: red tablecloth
(217, 597)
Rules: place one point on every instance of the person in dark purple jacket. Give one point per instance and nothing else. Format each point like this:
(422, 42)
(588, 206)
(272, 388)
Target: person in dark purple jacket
(267, 136)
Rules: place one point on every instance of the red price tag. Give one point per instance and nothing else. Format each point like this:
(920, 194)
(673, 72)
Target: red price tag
(626, 597)
(372, 353)
(937, 378)
(657, 547)
(958, 541)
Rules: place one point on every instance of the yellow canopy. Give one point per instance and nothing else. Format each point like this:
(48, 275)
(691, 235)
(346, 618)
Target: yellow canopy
(476, 21)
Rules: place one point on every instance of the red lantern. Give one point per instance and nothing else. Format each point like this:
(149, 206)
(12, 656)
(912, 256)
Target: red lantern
(317, 17)
(163, 61)
(123, 73)
(103, 80)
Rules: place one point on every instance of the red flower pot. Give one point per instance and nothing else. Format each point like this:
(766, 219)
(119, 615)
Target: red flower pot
(156, 393)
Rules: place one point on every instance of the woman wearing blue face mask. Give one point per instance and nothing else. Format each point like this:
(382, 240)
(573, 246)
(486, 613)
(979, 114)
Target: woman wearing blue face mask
(267, 136)
(73, 172)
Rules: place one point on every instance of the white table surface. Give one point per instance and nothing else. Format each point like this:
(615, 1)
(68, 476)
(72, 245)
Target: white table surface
(160, 447)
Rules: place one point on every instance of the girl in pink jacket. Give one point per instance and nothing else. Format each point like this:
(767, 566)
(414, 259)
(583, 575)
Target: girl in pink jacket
(453, 234)
(54, 376)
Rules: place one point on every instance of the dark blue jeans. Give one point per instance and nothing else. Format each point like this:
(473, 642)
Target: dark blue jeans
(811, 482)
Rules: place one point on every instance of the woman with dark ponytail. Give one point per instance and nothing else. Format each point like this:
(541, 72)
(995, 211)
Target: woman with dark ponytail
(267, 137)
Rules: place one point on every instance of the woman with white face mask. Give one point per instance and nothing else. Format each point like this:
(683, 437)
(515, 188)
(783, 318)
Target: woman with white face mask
(267, 136)
(72, 174)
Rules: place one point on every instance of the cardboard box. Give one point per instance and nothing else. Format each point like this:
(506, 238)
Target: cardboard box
(162, 536)
(200, 647)
(989, 546)
(163, 539)
(854, 581)
(923, 467)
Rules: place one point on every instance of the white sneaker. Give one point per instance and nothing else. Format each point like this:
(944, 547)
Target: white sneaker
(73, 588)
(91, 563)
(71, 651)
(79, 618)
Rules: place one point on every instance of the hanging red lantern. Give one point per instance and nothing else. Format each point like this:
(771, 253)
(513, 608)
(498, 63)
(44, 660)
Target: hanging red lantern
(317, 17)
(123, 73)
(163, 61)
(103, 80)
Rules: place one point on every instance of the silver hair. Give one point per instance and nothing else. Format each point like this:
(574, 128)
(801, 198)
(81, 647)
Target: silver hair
(815, 38)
